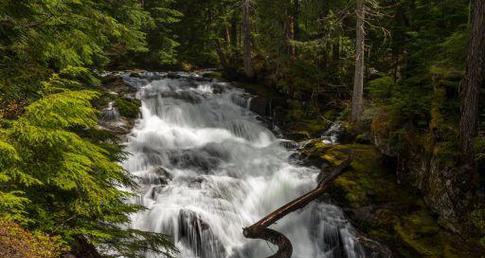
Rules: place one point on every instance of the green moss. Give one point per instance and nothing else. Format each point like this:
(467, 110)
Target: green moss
(214, 75)
(421, 232)
(478, 219)
(129, 108)
(353, 192)
(398, 217)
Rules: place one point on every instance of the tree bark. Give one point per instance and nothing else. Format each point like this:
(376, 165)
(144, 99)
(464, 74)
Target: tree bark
(473, 80)
(259, 230)
(221, 54)
(248, 68)
(227, 35)
(234, 31)
(358, 91)
(296, 25)
(293, 31)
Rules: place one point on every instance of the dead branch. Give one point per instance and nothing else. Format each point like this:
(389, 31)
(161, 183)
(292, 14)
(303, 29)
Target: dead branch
(260, 229)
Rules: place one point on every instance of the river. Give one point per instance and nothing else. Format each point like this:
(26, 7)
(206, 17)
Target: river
(207, 167)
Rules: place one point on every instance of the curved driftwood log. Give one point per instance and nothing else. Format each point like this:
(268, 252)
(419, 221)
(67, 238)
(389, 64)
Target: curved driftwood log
(260, 230)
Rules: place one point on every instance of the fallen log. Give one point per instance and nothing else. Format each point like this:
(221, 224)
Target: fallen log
(260, 230)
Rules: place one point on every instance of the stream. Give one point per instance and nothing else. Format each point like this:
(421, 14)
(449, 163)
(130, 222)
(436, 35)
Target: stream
(207, 167)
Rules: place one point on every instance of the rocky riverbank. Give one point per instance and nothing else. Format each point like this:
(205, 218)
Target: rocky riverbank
(379, 203)
(382, 209)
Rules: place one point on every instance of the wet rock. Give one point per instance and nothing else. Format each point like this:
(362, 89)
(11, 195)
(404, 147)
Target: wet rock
(120, 126)
(110, 113)
(259, 105)
(183, 95)
(173, 75)
(117, 85)
(156, 176)
(164, 175)
(441, 183)
(298, 136)
(289, 144)
(218, 88)
(196, 162)
(197, 234)
(201, 79)
(205, 159)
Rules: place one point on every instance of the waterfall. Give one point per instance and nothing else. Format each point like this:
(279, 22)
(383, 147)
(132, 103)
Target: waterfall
(110, 113)
(207, 168)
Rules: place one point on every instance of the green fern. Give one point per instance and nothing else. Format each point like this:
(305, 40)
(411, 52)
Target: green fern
(72, 184)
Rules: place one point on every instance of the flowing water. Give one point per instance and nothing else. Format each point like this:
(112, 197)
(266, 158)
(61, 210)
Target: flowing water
(208, 167)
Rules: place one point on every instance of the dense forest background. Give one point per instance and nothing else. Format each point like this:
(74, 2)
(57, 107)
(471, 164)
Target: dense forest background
(404, 75)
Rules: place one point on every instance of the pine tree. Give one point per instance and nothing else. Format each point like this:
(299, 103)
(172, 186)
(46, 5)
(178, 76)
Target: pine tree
(72, 184)
(54, 178)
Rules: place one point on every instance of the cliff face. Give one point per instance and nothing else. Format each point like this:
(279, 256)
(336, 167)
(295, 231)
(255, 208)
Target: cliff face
(428, 159)
(445, 192)
(392, 213)
(442, 189)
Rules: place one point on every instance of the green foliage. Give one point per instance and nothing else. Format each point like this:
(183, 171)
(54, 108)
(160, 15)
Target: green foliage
(479, 146)
(128, 107)
(202, 25)
(37, 38)
(59, 174)
(380, 89)
(55, 175)
(72, 184)
(161, 44)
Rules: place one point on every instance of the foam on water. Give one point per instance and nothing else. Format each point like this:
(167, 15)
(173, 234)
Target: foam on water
(207, 168)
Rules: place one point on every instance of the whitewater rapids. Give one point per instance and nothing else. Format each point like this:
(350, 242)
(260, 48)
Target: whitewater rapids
(208, 167)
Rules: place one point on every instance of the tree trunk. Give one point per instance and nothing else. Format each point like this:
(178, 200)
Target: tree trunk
(296, 25)
(248, 68)
(260, 230)
(82, 248)
(358, 92)
(234, 31)
(473, 80)
(227, 35)
(293, 29)
(222, 55)
(290, 35)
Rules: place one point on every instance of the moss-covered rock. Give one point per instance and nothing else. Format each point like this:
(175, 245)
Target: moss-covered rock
(128, 107)
(214, 75)
(384, 209)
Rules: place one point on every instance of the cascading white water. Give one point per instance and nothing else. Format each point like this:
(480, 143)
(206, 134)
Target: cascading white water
(207, 168)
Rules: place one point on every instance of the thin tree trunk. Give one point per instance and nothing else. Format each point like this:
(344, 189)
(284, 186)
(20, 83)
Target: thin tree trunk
(358, 92)
(473, 80)
(221, 54)
(260, 230)
(293, 29)
(248, 68)
(296, 25)
(290, 35)
(227, 35)
(234, 30)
